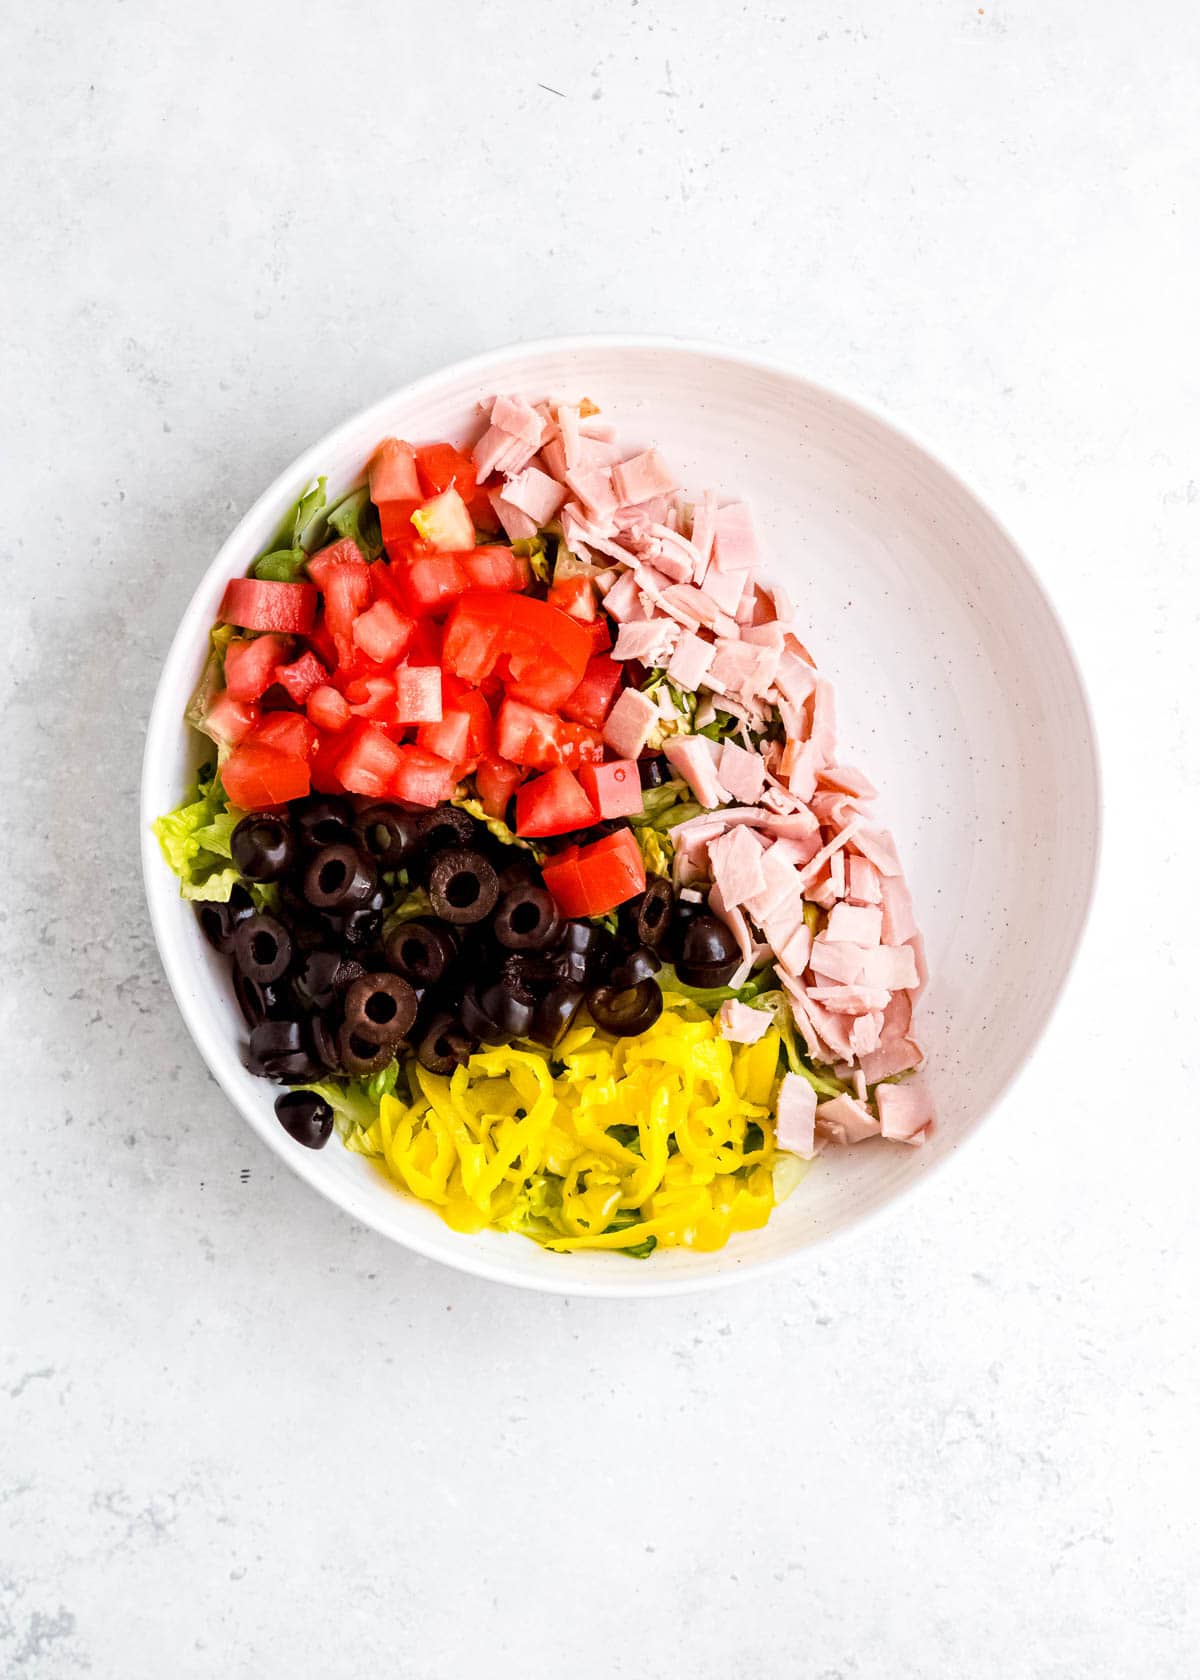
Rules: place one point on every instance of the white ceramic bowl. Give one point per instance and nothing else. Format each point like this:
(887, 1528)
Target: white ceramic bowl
(957, 693)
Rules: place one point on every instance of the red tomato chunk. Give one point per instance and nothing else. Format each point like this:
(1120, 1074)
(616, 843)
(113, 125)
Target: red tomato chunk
(615, 789)
(553, 804)
(592, 880)
(252, 604)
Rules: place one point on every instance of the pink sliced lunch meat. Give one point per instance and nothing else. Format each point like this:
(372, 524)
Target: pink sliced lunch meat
(904, 1110)
(641, 477)
(694, 756)
(741, 1024)
(795, 1117)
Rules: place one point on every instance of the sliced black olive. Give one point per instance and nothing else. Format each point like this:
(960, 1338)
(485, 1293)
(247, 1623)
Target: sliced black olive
(219, 922)
(306, 1117)
(587, 951)
(323, 821)
(645, 919)
(518, 871)
(444, 828)
(555, 1012)
(322, 976)
(625, 1012)
(420, 950)
(639, 965)
(359, 1055)
(706, 945)
(462, 885)
(261, 1002)
(510, 1004)
(684, 912)
(388, 834)
(362, 928)
(324, 1036)
(445, 1045)
(263, 948)
(526, 919)
(339, 878)
(381, 1007)
(278, 1049)
(534, 971)
(262, 846)
(476, 1020)
(653, 772)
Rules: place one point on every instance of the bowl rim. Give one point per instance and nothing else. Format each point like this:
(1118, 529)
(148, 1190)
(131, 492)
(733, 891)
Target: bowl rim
(304, 467)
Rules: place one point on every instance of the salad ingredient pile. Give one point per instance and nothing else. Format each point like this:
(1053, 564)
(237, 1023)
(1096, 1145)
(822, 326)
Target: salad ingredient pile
(529, 849)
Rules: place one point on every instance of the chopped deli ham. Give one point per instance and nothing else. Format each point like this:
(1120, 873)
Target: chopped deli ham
(742, 1024)
(795, 1117)
(797, 865)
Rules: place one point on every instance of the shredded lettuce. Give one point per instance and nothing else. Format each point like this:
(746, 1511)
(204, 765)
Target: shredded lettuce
(355, 516)
(823, 1083)
(538, 553)
(710, 998)
(284, 565)
(355, 1104)
(212, 678)
(496, 826)
(195, 841)
(658, 854)
(721, 728)
(663, 808)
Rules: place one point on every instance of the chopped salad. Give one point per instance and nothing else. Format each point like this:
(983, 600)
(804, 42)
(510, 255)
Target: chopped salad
(525, 836)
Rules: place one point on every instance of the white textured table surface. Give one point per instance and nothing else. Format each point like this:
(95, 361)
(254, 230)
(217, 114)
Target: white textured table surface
(240, 1436)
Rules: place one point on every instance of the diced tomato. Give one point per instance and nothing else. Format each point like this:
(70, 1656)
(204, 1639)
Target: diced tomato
(302, 676)
(481, 730)
(577, 744)
(546, 650)
(442, 467)
(325, 778)
(372, 697)
(347, 591)
(445, 524)
(594, 698)
(484, 514)
(527, 736)
(255, 775)
(368, 762)
(426, 645)
(320, 639)
(422, 778)
(431, 583)
(600, 633)
(418, 694)
(596, 878)
(447, 739)
(397, 529)
(392, 473)
(344, 552)
(553, 804)
(382, 633)
(496, 781)
(328, 709)
(252, 666)
(615, 789)
(287, 732)
(576, 596)
(253, 604)
(495, 567)
(228, 720)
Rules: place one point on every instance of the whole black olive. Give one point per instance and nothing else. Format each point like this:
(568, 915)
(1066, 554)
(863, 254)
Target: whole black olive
(445, 827)
(381, 1007)
(268, 1001)
(388, 834)
(445, 1045)
(262, 948)
(219, 922)
(684, 912)
(262, 846)
(339, 878)
(362, 928)
(476, 1020)
(627, 1012)
(322, 821)
(653, 772)
(639, 965)
(306, 1117)
(510, 1004)
(707, 946)
(555, 1012)
(420, 950)
(645, 919)
(361, 1056)
(526, 919)
(462, 885)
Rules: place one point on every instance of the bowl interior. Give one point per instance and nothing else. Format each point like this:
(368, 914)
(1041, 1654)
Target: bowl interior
(957, 695)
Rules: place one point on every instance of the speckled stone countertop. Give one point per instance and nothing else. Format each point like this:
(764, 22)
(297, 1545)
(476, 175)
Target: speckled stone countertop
(240, 1436)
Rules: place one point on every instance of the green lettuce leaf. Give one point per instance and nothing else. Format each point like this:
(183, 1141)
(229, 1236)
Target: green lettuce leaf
(195, 841)
(824, 1083)
(355, 517)
(537, 551)
(496, 826)
(212, 678)
(283, 565)
(710, 998)
(355, 1102)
